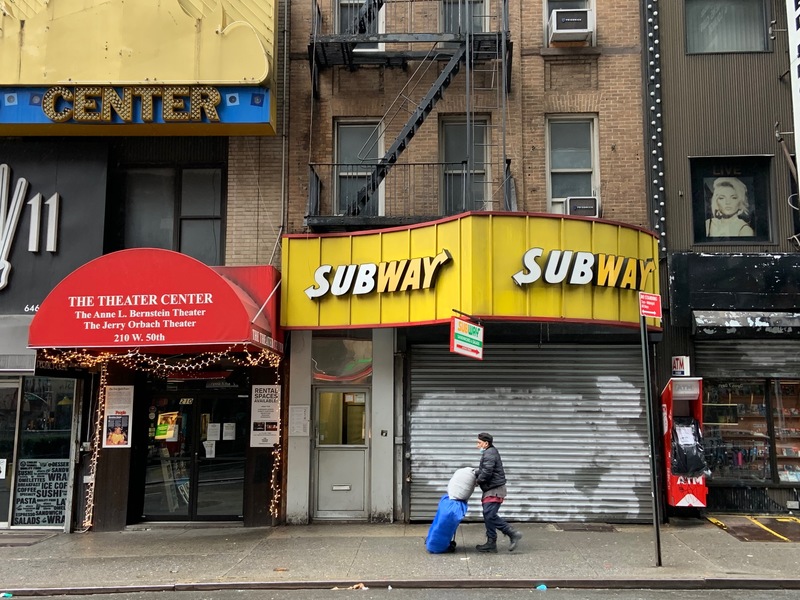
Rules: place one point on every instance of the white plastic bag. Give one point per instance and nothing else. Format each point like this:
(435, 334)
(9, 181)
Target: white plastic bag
(461, 484)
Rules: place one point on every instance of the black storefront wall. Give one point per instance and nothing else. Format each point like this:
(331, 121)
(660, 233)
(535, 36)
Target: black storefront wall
(732, 282)
(70, 176)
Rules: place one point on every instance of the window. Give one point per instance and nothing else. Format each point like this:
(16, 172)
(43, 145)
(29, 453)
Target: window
(358, 148)
(338, 360)
(463, 16)
(741, 444)
(725, 26)
(350, 21)
(731, 199)
(466, 176)
(571, 161)
(176, 209)
(565, 5)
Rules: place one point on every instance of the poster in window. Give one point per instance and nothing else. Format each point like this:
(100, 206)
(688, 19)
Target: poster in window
(731, 199)
(116, 424)
(265, 416)
(167, 427)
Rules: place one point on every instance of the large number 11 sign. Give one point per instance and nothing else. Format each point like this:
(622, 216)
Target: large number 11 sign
(10, 212)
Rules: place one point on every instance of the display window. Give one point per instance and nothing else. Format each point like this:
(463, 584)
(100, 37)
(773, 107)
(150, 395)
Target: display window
(786, 423)
(43, 456)
(751, 430)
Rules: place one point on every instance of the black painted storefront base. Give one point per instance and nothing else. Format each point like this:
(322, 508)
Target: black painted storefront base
(751, 499)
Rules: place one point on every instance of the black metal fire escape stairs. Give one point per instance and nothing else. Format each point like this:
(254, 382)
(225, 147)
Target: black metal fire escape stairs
(339, 50)
(411, 127)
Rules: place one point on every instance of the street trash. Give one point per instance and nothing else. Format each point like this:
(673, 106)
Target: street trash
(355, 586)
(6, 595)
(542, 587)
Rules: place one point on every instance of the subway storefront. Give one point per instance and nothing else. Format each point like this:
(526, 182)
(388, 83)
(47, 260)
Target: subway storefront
(390, 411)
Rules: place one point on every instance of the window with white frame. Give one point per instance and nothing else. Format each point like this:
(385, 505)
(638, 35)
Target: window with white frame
(464, 16)
(571, 159)
(726, 26)
(565, 4)
(358, 148)
(465, 179)
(350, 21)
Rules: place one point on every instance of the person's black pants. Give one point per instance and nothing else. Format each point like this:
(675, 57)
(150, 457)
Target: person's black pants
(493, 521)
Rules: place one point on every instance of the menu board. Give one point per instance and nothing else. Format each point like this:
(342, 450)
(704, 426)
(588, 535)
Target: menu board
(41, 497)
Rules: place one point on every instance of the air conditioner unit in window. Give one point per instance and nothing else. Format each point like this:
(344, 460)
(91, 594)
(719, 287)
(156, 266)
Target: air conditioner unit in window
(571, 25)
(583, 206)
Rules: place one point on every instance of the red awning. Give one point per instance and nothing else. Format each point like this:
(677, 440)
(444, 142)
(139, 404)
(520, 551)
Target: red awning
(151, 298)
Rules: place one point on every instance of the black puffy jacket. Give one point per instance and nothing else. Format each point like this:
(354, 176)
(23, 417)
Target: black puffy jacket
(490, 472)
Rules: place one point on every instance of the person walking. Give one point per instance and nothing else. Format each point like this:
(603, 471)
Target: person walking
(491, 478)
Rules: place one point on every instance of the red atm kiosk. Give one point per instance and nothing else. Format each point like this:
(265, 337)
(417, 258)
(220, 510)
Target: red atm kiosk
(682, 414)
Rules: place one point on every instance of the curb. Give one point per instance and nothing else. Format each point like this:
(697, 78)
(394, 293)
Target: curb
(700, 583)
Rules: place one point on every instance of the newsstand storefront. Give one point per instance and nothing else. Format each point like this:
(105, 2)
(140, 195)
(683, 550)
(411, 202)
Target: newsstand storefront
(740, 314)
(382, 411)
(182, 422)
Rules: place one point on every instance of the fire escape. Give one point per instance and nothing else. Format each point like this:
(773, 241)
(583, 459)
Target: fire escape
(438, 48)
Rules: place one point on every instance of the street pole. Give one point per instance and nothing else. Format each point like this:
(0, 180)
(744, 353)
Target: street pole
(651, 436)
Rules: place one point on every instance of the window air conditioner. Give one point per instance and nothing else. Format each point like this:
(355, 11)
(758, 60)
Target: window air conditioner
(583, 206)
(571, 25)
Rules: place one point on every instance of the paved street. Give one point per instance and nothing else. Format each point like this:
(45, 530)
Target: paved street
(440, 594)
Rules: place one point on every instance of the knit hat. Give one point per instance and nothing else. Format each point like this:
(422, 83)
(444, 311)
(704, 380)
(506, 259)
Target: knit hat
(485, 437)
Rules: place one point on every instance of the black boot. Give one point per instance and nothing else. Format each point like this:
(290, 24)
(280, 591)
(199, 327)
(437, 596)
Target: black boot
(489, 546)
(515, 536)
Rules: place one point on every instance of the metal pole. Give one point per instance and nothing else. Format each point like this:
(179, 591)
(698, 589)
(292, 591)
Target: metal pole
(651, 436)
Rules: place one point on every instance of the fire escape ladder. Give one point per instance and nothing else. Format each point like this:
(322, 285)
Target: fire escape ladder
(415, 121)
(367, 14)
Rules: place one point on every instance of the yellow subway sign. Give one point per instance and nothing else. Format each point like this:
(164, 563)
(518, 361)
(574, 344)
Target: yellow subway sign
(489, 265)
(388, 276)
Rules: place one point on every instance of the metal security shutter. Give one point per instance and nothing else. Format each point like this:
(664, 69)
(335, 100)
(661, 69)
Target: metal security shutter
(569, 421)
(747, 358)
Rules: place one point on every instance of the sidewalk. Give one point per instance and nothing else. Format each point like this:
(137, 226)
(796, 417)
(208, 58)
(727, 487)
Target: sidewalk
(695, 555)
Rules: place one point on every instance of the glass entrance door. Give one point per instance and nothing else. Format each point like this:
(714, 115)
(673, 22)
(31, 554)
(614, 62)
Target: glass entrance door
(196, 457)
(9, 394)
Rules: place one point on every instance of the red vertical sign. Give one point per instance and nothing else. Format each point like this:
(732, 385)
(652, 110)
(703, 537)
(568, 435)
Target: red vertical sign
(650, 305)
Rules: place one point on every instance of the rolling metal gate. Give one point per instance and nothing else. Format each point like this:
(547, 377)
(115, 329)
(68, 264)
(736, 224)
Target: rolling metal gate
(747, 358)
(569, 421)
